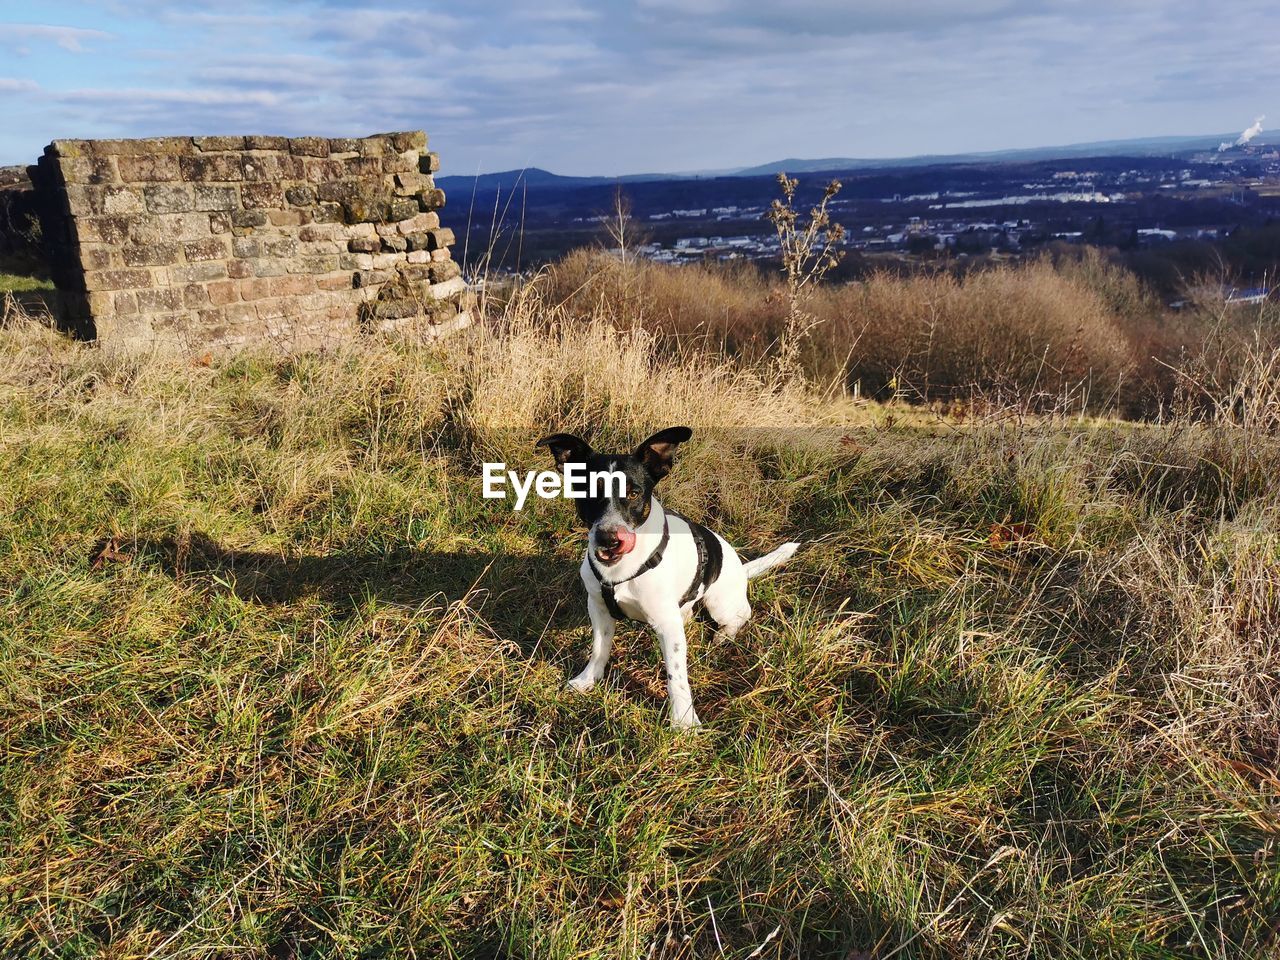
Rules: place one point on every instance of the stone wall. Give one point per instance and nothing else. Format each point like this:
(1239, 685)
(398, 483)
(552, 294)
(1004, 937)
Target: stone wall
(209, 242)
(19, 224)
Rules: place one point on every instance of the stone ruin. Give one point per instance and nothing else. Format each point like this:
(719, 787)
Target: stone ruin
(200, 243)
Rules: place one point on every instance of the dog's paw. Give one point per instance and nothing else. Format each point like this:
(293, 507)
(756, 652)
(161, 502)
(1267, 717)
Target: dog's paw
(686, 721)
(582, 683)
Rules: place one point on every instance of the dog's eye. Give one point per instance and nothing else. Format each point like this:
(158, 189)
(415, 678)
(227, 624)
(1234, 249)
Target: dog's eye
(633, 495)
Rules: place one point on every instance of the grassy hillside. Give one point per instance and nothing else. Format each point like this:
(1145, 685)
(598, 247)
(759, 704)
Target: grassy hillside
(276, 682)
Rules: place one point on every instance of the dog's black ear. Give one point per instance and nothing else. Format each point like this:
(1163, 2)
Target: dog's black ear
(566, 448)
(656, 452)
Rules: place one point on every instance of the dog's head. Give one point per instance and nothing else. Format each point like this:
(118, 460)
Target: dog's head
(613, 519)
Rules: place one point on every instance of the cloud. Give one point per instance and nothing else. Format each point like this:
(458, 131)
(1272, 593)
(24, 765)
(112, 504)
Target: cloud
(70, 39)
(630, 85)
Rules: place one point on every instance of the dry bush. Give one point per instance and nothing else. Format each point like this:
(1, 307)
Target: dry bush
(1030, 331)
(730, 307)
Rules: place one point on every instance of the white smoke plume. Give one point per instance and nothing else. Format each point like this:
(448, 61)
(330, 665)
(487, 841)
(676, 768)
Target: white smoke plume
(1244, 137)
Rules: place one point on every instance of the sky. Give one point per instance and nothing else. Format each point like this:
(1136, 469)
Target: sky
(615, 87)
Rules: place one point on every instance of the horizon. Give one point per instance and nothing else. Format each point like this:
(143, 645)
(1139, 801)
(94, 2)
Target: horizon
(643, 87)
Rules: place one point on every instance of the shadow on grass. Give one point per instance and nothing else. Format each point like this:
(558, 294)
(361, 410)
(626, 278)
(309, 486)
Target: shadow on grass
(525, 596)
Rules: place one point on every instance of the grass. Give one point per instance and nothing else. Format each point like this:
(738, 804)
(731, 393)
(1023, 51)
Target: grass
(1071, 328)
(276, 682)
(21, 283)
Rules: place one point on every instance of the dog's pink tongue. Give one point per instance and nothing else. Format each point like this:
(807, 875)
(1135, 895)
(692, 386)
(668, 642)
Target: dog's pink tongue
(626, 541)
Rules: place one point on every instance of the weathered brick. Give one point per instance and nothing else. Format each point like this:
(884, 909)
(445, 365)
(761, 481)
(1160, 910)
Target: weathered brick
(239, 269)
(144, 229)
(431, 199)
(423, 221)
(394, 244)
(292, 285)
(102, 199)
(187, 226)
(279, 246)
(328, 213)
(313, 265)
(219, 223)
(262, 195)
(150, 146)
(396, 309)
(364, 245)
(194, 295)
(300, 196)
(248, 218)
(118, 279)
(343, 145)
(256, 288)
(269, 267)
(212, 248)
(429, 163)
(373, 146)
(90, 169)
(152, 255)
(198, 272)
(102, 229)
(317, 232)
(246, 247)
(169, 198)
(212, 167)
(400, 163)
(439, 237)
(323, 171)
(215, 198)
(439, 254)
(99, 256)
(125, 302)
(309, 146)
(288, 218)
(273, 167)
(218, 143)
(337, 280)
(148, 168)
(408, 140)
(266, 143)
(163, 299)
(440, 272)
(418, 256)
(408, 184)
(239, 313)
(223, 292)
(363, 167)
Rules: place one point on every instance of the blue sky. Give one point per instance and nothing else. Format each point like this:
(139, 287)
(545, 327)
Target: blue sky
(646, 85)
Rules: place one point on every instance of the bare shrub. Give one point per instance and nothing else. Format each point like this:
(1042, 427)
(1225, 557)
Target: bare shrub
(1029, 331)
(809, 248)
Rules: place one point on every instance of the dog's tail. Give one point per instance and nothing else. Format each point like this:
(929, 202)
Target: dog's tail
(753, 568)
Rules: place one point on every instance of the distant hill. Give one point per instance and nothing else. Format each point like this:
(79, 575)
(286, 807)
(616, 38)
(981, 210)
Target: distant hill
(1140, 147)
(535, 177)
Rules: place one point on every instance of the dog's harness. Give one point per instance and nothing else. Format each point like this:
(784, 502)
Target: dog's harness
(705, 573)
(607, 588)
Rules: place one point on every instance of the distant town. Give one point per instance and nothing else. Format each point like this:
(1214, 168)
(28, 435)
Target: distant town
(927, 212)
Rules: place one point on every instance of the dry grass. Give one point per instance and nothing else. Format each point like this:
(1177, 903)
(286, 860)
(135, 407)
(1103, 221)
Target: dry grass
(1071, 330)
(276, 682)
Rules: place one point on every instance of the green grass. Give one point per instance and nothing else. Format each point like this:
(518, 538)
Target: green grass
(1014, 699)
(18, 283)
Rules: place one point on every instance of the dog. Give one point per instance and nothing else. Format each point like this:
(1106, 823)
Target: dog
(649, 564)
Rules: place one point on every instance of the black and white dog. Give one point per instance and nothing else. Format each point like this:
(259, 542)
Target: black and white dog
(652, 565)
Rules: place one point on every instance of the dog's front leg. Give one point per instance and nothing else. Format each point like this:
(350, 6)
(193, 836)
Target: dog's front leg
(670, 629)
(602, 628)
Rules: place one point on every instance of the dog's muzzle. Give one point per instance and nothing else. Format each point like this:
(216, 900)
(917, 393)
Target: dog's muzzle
(613, 545)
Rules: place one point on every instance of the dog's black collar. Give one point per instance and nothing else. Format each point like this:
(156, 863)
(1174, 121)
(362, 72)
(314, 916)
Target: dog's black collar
(607, 587)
